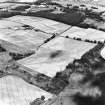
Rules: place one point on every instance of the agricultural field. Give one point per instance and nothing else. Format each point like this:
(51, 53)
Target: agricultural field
(18, 35)
(43, 24)
(85, 34)
(5, 24)
(40, 56)
(29, 32)
(15, 91)
(28, 39)
(55, 55)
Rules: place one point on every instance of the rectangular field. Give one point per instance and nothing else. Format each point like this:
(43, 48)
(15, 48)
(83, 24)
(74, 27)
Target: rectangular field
(90, 34)
(16, 33)
(43, 24)
(55, 55)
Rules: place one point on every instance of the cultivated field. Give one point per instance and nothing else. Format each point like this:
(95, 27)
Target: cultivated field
(90, 34)
(15, 91)
(43, 24)
(5, 24)
(22, 35)
(28, 39)
(29, 32)
(55, 55)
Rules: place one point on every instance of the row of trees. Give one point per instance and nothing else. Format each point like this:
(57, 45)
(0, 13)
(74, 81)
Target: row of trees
(90, 41)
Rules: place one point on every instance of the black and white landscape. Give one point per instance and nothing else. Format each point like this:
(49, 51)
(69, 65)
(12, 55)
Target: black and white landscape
(52, 52)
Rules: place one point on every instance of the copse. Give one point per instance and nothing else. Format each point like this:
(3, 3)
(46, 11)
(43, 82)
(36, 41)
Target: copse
(66, 17)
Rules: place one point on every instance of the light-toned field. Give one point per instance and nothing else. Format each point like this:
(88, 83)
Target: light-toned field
(5, 24)
(43, 24)
(28, 39)
(75, 32)
(16, 34)
(12, 30)
(93, 34)
(15, 91)
(90, 34)
(55, 55)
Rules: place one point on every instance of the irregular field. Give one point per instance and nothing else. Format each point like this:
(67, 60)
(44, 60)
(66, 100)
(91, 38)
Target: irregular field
(90, 34)
(55, 55)
(15, 91)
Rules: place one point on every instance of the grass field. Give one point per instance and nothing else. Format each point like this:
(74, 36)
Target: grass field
(83, 34)
(23, 35)
(55, 55)
(5, 24)
(27, 39)
(43, 24)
